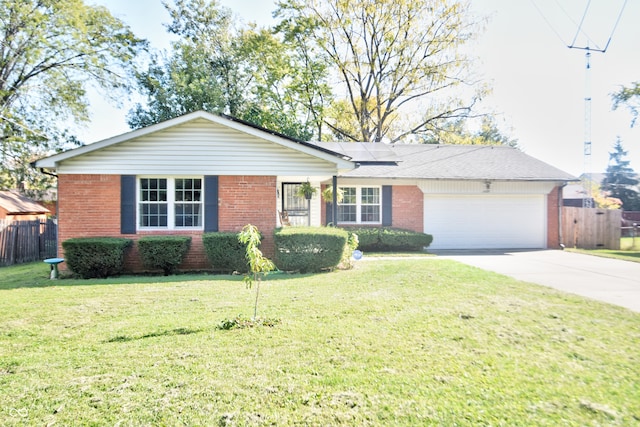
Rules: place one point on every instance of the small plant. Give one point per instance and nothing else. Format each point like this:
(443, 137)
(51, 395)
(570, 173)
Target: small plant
(306, 190)
(327, 194)
(259, 265)
(240, 322)
(346, 262)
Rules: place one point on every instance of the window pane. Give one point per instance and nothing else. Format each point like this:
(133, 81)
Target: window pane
(153, 190)
(370, 195)
(349, 195)
(370, 213)
(347, 213)
(153, 202)
(188, 197)
(153, 215)
(188, 215)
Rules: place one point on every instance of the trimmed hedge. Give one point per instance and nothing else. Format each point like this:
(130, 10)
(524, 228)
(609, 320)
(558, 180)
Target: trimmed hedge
(225, 252)
(92, 257)
(383, 239)
(163, 252)
(309, 249)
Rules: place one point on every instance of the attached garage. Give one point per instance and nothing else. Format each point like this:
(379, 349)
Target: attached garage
(486, 221)
(470, 197)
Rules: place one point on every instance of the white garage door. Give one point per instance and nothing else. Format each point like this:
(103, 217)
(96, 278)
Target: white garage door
(487, 221)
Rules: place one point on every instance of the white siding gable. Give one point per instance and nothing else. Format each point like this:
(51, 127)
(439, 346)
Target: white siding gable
(198, 147)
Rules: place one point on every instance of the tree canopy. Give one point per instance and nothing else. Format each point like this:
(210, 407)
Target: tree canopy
(621, 182)
(51, 51)
(398, 64)
(350, 70)
(248, 73)
(455, 132)
(630, 97)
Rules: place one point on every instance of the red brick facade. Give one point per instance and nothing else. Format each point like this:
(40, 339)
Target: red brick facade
(408, 208)
(554, 204)
(89, 206)
(249, 200)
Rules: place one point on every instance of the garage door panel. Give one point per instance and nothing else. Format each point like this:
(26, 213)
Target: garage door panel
(488, 221)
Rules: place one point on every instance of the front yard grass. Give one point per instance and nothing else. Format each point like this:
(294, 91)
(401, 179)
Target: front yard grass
(629, 250)
(396, 342)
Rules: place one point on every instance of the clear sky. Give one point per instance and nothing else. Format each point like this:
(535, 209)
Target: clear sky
(539, 84)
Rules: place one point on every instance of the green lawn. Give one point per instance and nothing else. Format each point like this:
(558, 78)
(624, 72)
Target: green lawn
(629, 250)
(410, 342)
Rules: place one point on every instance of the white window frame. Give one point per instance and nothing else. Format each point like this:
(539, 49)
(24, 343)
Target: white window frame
(359, 204)
(171, 202)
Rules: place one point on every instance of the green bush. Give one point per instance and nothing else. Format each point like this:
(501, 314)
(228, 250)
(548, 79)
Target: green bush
(92, 257)
(163, 252)
(309, 249)
(346, 262)
(383, 239)
(225, 252)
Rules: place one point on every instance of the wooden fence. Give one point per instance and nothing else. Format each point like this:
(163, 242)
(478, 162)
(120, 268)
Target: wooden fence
(591, 228)
(26, 241)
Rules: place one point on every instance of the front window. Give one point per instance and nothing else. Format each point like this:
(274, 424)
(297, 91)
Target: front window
(360, 205)
(170, 203)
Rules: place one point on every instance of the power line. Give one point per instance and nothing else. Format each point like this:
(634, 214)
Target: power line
(616, 25)
(548, 23)
(584, 15)
(573, 21)
(613, 30)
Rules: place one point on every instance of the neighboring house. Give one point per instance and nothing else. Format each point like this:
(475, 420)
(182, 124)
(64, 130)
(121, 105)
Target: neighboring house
(573, 195)
(16, 207)
(202, 172)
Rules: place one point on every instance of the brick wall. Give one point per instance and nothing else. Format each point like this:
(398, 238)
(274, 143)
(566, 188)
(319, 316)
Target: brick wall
(89, 206)
(249, 200)
(408, 208)
(554, 204)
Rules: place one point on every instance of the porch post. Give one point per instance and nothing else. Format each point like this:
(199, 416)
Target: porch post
(334, 211)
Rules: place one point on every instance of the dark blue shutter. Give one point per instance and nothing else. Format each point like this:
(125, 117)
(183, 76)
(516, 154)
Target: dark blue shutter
(210, 203)
(386, 206)
(128, 204)
(329, 214)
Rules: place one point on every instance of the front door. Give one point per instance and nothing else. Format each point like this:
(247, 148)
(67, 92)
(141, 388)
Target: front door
(295, 206)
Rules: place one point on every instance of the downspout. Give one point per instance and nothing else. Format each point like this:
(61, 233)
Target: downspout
(560, 206)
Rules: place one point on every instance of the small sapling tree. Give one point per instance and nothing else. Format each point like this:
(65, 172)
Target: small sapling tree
(259, 265)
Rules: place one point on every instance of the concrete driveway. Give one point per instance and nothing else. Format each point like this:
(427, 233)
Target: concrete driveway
(613, 281)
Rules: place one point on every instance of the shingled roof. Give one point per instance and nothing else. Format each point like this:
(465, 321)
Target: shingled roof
(453, 162)
(15, 203)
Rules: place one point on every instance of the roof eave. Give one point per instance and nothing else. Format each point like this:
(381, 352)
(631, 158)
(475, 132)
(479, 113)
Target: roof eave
(342, 162)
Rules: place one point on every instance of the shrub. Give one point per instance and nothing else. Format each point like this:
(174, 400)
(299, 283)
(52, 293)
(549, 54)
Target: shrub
(163, 252)
(346, 262)
(391, 239)
(309, 249)
(225, 252)
(92, 257)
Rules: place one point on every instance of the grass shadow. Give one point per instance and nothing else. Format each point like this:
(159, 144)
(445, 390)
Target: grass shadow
(165, 333)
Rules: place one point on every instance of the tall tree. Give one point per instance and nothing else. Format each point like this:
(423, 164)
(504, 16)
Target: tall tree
(456, 132)
(216, 66)
(398, 62)
(621, 182)
(51, 51)
(629, 96)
